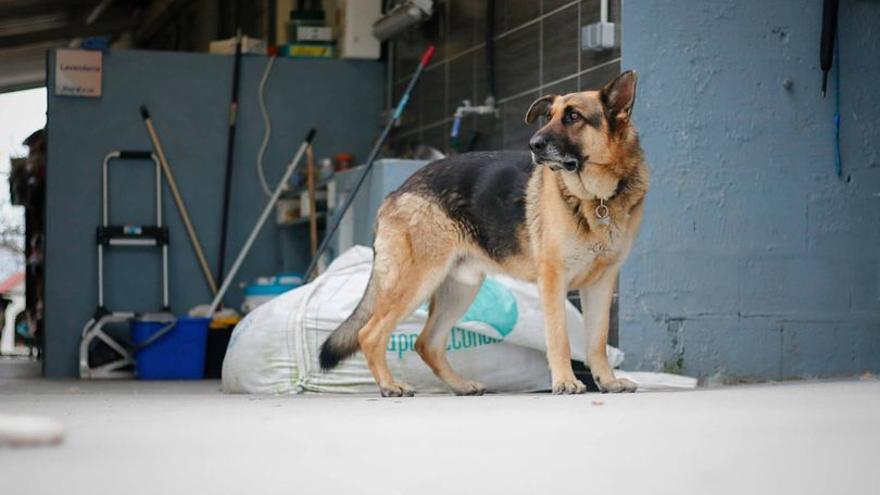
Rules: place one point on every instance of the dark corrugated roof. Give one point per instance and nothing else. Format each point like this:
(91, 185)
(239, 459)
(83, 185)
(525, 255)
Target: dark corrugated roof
(29, 27)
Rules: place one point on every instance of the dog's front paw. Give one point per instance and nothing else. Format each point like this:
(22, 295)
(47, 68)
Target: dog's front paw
(469, 387)
(569, 386)
(616, 385)
(396, 389)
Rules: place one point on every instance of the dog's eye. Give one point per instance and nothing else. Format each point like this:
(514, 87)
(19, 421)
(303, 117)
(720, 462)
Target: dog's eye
(573, 116)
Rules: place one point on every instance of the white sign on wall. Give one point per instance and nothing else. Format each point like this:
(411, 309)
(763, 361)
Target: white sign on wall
(78, 73)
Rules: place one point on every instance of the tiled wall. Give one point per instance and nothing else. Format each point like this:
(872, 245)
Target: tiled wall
(537, 51)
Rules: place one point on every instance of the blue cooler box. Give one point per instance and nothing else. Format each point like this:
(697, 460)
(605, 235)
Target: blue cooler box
(177, 355)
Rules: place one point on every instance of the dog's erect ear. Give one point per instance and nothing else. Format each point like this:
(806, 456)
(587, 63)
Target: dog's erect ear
(539, 107)
(619, 95)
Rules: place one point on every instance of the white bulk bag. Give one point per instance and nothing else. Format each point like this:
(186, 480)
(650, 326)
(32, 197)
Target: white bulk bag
(499, 341)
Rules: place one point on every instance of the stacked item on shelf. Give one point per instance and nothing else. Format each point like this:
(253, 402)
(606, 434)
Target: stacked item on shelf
(308, 34)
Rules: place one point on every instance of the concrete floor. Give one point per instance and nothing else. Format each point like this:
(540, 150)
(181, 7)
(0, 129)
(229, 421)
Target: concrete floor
(164, 438)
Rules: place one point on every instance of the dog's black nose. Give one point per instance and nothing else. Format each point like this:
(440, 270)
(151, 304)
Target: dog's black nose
(538, 143)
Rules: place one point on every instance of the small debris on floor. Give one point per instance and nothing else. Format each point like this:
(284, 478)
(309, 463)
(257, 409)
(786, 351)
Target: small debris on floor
(25, 431)
(598, 403)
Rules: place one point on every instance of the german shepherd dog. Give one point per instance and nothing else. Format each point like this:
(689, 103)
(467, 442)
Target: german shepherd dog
(564, 216)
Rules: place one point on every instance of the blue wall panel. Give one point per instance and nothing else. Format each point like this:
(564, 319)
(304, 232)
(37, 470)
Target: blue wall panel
(188, 96)
(755, 260)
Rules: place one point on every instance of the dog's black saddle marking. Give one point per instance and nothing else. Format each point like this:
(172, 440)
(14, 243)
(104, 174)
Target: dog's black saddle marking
(485, 192)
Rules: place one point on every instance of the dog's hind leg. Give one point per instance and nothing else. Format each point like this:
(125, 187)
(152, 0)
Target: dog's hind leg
(410, 284)
(373, 341)
(448, 304)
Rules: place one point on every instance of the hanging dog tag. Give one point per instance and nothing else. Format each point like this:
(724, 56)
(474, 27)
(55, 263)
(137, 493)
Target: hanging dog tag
(602, 213)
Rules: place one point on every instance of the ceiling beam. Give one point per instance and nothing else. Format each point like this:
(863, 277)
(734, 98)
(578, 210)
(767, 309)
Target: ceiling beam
(24, 67)
(107, 28)
(31, 8)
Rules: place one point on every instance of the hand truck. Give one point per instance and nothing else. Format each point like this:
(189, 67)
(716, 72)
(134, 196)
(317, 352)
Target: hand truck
(113, 359)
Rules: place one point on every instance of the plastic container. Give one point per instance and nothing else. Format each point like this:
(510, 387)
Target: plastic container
(267, 288)
(177, 355)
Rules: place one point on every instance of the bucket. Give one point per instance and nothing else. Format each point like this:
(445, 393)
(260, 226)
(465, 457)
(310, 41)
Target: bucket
(178, 354)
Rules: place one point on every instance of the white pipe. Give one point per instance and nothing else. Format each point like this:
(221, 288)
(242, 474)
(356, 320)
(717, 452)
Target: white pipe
(604, 11)
(263, 216)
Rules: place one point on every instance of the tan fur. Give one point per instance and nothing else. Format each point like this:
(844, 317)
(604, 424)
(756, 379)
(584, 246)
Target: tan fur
(421, 253)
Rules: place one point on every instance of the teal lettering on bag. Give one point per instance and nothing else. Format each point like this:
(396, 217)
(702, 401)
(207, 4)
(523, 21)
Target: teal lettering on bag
(459, 338)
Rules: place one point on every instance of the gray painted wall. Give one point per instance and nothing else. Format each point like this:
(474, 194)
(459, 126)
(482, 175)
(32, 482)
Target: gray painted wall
(188, 96)
(755, 259)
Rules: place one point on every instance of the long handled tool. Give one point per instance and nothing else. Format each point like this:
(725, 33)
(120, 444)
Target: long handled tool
(827, 52)
(398, 111)
(291, 167)
(178, 199)
(313, 212)
(230, 155)
(826, 49)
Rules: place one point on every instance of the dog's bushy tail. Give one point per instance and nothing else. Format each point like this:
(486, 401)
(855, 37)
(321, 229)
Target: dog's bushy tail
(343, 342)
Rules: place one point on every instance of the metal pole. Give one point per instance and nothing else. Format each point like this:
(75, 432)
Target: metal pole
(377, 147)
(263, 216)
(230, 155)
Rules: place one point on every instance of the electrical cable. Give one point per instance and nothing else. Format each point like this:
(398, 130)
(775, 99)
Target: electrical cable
(267, 126)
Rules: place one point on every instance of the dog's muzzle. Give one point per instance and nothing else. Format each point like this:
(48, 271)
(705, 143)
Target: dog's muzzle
(567, 165)
(556, 164)
(544, 152)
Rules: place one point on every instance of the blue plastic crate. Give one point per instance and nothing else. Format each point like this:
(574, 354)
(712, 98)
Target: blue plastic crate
(177, 355)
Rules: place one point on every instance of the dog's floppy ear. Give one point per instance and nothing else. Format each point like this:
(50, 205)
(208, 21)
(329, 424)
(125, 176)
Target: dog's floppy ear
(539, 107)
(619, 95)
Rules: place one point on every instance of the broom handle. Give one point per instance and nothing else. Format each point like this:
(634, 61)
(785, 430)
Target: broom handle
(377, 147)
(181, 207)
(313, 213)
(230, 156)
(262, 220)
